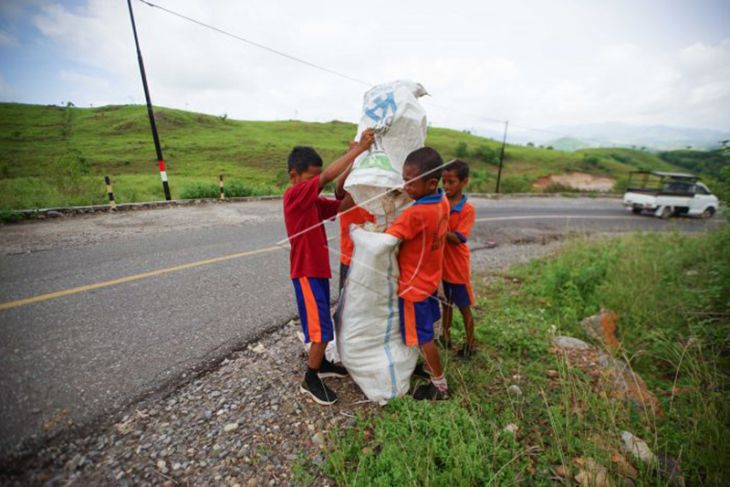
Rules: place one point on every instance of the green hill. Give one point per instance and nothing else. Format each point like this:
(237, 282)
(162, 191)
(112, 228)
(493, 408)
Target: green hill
(55, 156)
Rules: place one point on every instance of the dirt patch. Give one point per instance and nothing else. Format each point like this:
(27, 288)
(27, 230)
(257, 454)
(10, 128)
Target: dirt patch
(576, 180)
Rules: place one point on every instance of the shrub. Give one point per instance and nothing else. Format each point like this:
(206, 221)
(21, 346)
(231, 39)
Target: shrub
(462, 150)
(486, 154)
(515, 184)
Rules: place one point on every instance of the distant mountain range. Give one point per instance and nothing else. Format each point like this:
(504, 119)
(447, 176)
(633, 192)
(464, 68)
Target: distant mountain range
(616, 134)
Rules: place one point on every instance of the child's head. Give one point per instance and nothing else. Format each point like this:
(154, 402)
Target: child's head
(304, 163)
(455, 177)
(419, 162)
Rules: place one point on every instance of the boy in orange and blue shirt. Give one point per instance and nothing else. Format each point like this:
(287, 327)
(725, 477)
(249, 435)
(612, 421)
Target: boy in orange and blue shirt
(457, 266)
(304, 213)
(422, 230)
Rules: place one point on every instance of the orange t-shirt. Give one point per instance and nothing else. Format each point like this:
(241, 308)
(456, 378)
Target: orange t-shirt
(457, 267)
(355, 216)
(422, 228)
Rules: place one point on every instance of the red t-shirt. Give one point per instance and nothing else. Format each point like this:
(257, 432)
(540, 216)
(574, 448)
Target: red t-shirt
(422, 229)
(357, 216)
(304, 210)
(456, 256)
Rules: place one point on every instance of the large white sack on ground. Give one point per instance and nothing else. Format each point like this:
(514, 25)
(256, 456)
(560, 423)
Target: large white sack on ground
(368, 331)
(400, 123)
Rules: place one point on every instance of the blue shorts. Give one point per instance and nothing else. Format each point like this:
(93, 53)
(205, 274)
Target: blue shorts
(417, 319)
(458, 294)
(313, 301)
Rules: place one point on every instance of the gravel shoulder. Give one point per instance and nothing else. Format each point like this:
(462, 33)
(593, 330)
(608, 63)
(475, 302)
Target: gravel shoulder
(241, 423)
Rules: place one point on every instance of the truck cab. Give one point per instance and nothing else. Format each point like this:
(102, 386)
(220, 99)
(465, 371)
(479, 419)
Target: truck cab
(667, 194)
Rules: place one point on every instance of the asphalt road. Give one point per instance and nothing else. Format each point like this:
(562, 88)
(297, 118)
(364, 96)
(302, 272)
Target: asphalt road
(72, 359)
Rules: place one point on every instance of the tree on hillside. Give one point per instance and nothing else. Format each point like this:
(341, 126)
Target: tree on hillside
(462, 150)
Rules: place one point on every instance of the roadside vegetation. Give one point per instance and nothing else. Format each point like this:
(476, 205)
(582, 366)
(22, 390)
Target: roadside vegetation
(58, 156)
(521, 413)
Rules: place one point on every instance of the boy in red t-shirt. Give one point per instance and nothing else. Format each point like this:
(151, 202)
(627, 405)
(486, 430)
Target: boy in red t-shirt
(456, 276)
(304, 213)
(422, 231)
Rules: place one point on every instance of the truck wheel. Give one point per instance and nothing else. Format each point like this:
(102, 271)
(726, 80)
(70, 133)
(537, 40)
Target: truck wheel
(708, 213)
(665, 213)
(636, 210)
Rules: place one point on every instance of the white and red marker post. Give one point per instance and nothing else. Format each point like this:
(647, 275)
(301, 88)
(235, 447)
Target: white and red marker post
(150, 112)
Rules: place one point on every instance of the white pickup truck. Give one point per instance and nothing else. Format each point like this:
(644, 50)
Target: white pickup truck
(666, 194)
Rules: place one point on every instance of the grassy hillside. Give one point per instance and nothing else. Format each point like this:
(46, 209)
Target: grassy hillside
(53, 156)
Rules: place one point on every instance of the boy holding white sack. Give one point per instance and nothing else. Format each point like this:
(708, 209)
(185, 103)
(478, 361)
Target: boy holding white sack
(368, 336)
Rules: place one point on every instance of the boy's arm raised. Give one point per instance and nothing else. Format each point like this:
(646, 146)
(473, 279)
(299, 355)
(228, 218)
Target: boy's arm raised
(337, 167)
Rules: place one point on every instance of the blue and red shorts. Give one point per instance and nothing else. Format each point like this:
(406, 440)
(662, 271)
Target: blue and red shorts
(458, 294)
(417, 319)
(313, 301)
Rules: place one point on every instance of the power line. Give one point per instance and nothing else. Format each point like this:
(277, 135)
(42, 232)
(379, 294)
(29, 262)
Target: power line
(256, 44)
(332, 71)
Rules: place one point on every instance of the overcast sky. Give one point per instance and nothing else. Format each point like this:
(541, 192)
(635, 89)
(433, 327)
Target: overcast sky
(537, 63)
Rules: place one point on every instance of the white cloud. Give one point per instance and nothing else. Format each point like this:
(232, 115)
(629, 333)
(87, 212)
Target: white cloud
(531, 63)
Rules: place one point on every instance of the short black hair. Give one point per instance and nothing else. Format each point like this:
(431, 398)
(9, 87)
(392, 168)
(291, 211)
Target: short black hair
(426, 160)
(459, 167)
(301, 157)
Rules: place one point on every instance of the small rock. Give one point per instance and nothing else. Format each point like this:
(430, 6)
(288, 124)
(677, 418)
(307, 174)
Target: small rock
(162, 466)
(259, 348)
(75, 462)
(176, 466)
(318, 439)
(511, 428)
(637, 447)
(514, 391)
(252, 482)
(553, 374)
(54, 214)
(602, 326)
(570, 343)
(592, 474)
(230, 427)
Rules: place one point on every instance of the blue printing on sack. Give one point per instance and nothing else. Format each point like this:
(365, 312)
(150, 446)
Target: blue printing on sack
(389, 328)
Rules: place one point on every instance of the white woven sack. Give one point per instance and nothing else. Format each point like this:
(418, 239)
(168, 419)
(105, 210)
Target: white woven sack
(368, 331)
(399, 120)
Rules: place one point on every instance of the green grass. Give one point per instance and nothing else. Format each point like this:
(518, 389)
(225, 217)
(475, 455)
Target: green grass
(55, 156)
(672, 294)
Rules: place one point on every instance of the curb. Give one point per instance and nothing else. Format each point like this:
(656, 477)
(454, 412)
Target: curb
(47, 213)
(43, 213)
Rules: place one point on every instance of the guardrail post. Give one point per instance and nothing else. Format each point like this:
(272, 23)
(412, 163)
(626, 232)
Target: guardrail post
(220, 183)
(112, 203)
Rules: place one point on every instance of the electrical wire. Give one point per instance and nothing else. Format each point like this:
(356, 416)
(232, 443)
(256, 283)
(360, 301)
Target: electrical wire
(334, 72)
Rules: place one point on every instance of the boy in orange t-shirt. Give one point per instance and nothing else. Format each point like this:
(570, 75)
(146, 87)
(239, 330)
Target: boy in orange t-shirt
(355, 215)
(457, 267)
(422, 230)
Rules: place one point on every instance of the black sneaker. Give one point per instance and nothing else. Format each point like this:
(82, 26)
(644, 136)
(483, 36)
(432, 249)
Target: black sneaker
(318, 391)
(420, 372)
(429, 392)
(466, 352)
(328, 369)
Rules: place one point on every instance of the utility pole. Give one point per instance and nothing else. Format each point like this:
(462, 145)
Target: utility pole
(501, 155)
(150, 112)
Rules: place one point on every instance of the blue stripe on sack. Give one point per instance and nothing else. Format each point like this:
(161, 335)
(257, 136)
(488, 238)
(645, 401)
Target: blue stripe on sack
(389, 329)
